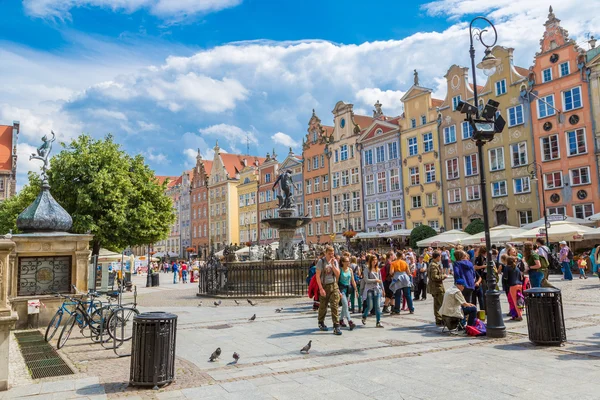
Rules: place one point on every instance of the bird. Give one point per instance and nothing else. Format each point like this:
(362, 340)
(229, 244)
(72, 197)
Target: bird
(217, 303)
(278, 310)
(306, 348)
(215, 355)
(252, 318)
(236, 356)
(237, 302)
(200, 304)
(249, 301)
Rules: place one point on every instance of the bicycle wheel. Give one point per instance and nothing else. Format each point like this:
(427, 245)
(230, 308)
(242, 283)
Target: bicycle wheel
(53, 325)
(67, 329)
(99, 324)
(120, 323)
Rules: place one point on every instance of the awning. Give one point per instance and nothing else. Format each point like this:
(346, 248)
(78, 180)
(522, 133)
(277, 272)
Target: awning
(559, 231)
(499, 235)
(367, 235)
(396, 233)
(451, 237)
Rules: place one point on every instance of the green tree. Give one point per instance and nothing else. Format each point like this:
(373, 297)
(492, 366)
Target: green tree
(474, 227)
(110, 194)
(11, 208)
(419, 233)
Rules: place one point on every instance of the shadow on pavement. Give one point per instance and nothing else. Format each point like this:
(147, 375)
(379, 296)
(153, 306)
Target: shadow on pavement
(299, 332)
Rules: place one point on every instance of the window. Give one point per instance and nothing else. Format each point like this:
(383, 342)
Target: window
(515, 115)
(417, 224)
(572, 99)
(525, 217)
(314, 137)
(423, 119)
(467, 130)
(315, 162)
(431, 199)
(383, 210)
(308, 166)
(434, 224)
(325, 206)
(521, 185)
(308, 186)
(335, 180)
(317, 184)
(370, 184)
(413, 123)
(500, 87)
(456, 223)
(450, 134)
(337, 204)
(557, 211)
(454, 195)
(550, 150)
(393, 150)
(394, 179)
(413, 148)
(336, 155)
(356, 201)
(415, 178)
(381, 182)
(325, 182)
(354, 176)
(268, 198)
(580, 176)
(415, 202)
(547, 75)
(396, 208)
(369, 157)
(499, 189)
(546, 106)
(473, 193)
(576, 142)
(346, 201)
(267, 178)
(455, 101)
(344, 152)
(564, 69)
(317, 207)
(429, 173)
(310, 230)
(322, 161)
(519, 154)
(553, 180)
(428, 142)
(371, 212)
(471, 166)
(351, 151)
(452, 168)
(496, 159)
(583, 210)
(345, 178)
(380, 153)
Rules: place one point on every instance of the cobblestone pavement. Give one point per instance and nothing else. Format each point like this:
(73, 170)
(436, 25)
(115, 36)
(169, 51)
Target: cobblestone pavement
(410, 358)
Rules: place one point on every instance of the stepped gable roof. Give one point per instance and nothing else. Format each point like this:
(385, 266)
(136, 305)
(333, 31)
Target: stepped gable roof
(233, 163)
(207, 166)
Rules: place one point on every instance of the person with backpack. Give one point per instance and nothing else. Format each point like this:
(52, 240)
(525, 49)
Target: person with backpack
(401, 284)
(421, 279)
(565, 258)
(384, 266)
(345, 283)
(175, 272)
(327, 275)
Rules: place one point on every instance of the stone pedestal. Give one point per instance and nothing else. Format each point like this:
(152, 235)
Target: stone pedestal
(7, 316)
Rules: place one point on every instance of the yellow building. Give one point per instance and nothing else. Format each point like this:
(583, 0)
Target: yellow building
(248, 206)
(419, 145)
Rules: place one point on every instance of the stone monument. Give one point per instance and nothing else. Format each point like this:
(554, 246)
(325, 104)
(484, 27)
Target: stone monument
(288, 221)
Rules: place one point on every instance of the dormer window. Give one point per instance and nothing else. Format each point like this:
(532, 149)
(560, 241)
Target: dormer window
(378, 132)
(314, 137)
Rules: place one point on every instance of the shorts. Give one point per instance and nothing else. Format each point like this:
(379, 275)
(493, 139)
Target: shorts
(386, 288)
(445, 263)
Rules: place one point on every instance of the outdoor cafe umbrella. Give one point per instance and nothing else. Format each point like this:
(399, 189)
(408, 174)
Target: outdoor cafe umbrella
(395, 233)
(498, 234)
(453, 237)
(558, 218)
(559, 231)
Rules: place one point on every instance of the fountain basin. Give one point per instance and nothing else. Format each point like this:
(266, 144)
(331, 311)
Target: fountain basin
(286, 222)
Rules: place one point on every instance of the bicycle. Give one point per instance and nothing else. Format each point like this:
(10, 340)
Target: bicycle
(121, 318)
(54, 323)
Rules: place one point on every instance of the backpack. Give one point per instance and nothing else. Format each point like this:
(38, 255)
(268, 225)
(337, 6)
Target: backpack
(479, 329)
(570, 255)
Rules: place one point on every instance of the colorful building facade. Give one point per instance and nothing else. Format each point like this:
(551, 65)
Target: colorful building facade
(199, 205)
(268, 205)
(9, 135)
(248, 206)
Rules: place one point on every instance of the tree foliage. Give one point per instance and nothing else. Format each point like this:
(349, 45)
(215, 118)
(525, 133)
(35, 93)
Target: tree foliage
(11, 208)
(110, 194)
(474, 227)
(419, 233)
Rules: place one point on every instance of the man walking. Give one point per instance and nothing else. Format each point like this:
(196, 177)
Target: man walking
(327, 275)
(435, 285)
(566, 256)
(175, 272)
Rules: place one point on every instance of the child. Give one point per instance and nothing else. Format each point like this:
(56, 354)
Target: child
(582, 264)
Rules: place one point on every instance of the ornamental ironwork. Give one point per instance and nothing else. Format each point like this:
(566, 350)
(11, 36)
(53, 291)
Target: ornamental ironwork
(44, 275)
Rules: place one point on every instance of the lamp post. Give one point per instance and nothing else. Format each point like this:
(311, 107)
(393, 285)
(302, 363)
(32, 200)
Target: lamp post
(484, 129)
(348, 227)
(533, 169)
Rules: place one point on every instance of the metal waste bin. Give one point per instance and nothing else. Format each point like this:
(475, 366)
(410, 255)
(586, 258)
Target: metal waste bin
(545, 318)
(155, 279)
(153, 349)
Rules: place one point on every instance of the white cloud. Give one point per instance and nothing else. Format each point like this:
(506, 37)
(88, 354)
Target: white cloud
(236, 137)
(169, 9)
(155, 157)
(284, 140)
(104, 113)
(389, 99)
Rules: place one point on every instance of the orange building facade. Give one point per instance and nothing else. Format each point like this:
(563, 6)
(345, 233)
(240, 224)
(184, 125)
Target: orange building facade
(8, 160)
(199, 206)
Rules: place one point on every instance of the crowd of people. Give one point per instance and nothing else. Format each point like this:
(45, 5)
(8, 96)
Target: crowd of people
(379, 284)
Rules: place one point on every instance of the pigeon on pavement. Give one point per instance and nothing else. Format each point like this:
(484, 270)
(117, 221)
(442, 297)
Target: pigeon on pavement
(236, 357)
(200, 304)
(215, 355)
(237, 302)
(252, 318)
(217, 303)
(278, 310)
(306, 348)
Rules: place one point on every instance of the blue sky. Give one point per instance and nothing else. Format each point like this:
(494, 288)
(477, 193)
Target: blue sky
(169, 76)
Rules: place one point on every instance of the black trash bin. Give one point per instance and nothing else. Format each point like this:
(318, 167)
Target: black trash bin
(545, 318)
(155, 279)
(153, 349)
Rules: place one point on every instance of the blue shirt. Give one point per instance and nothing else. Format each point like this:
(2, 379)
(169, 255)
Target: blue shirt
(464, 270)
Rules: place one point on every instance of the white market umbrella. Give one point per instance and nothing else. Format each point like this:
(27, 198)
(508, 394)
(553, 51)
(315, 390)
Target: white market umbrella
(107, 256)
(396, 233)
(554, 218)
(243, 250)
(366, 235)
(594, 218)
(453, 237)
(498, 234)
(561, 230)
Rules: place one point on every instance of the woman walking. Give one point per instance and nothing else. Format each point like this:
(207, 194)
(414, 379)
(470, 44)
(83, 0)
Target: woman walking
(346, 283)
(515, 283)
(372, 290)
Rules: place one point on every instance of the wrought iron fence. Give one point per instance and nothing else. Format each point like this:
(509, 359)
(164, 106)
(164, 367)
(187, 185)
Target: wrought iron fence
(253, 279)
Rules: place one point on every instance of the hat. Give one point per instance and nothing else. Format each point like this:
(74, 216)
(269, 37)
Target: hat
(460, 282)
(562, 242)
